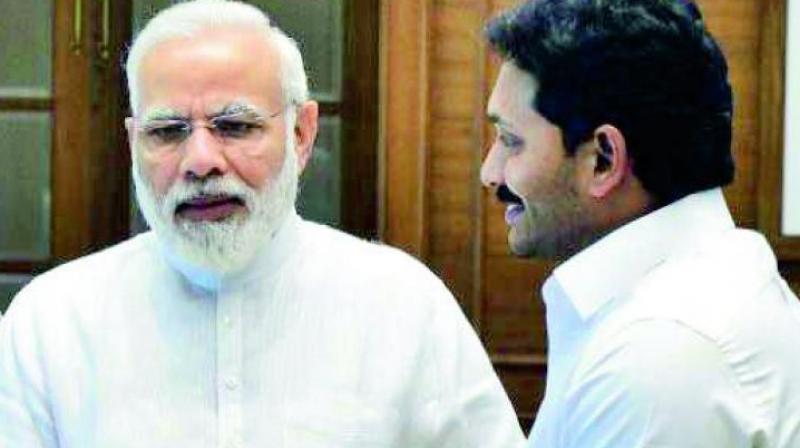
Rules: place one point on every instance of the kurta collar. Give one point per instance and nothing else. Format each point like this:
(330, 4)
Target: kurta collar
(267, 260)
(612, 265)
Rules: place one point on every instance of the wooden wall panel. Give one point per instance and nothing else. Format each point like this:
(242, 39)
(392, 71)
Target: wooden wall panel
(456, 107)
(771, 105)
(736, 24)
(514, 317)
(404, 120)
(525, 387)
(460, 225)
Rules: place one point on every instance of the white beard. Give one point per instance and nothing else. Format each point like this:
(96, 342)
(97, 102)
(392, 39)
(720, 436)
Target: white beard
(225, 246)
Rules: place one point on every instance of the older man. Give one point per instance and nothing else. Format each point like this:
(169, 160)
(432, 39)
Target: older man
(667, 325)
(235, 322)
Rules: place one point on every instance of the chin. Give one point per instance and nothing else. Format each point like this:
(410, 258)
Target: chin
(222, 246)
(521, 247)
(531, 246)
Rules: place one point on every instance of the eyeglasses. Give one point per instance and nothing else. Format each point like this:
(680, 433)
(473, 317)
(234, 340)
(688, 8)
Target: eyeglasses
(238, 129)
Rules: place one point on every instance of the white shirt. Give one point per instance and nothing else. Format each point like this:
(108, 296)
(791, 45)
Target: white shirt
(676, 330)
(326, 341)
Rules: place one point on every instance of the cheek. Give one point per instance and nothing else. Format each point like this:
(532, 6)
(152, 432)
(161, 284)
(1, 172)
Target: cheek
(259, 166)
(257, 171)
(161, 172)
(523, 179)
(535, 178)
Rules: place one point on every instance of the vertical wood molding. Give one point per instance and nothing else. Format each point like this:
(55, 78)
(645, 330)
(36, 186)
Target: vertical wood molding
(71, 136)
(359, 112)
(770, 117)
(383, 91)
(478, 308)
(405, 122)
(109, 146)
(771, 126)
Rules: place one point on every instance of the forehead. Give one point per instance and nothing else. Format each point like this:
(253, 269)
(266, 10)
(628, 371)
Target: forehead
(513, 93)
(211, 70)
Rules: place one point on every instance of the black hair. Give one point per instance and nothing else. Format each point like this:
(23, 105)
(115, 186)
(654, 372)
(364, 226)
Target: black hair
(648, 67)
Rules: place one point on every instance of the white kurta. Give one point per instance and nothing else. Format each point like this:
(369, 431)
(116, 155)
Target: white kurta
(326, 341)
(674, 331)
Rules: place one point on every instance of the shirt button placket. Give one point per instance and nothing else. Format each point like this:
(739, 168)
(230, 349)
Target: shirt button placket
(229, 365)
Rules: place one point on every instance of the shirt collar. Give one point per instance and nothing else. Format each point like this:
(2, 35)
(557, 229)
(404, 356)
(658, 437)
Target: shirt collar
(268, 259)
(610, 266)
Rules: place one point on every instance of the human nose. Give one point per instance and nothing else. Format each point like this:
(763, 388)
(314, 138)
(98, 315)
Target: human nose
(204, 155)
(493, 167)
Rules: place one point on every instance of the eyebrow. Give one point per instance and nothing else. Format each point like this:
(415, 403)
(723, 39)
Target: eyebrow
(162, 113)
(237, 108)
(499, 122)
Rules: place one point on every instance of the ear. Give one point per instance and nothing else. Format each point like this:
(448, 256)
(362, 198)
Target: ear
(608, 158)
(305, 132)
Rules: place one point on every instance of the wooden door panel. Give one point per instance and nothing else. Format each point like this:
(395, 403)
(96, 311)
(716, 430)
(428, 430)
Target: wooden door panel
(26, 123)
(514, 317)
(25, 185)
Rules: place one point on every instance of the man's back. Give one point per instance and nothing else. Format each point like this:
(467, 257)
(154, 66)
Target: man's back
(689, 346)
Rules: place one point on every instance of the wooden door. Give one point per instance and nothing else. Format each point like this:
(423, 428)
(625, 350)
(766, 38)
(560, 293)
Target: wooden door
(63, 175)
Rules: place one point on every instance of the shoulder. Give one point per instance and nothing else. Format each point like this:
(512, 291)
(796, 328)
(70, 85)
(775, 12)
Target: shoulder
(81, 279)
(707, 288)
(96, 268)
(364, 261)
(638, 356)
(738, 262)
(687, 348)
(372, 279)
(657, 383)
(56, 309)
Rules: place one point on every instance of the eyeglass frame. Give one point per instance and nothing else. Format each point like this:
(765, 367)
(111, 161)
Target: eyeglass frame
(188, 126)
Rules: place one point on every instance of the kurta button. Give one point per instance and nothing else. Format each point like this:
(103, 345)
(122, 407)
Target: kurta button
(227, 322)
(231, 383)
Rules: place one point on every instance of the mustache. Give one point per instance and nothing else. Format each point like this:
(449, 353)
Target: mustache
(505, 195)
(189, 191)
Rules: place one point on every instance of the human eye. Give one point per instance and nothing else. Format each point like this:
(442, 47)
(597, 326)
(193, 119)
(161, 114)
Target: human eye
(508, 140)
(236, 128)
(166, 132)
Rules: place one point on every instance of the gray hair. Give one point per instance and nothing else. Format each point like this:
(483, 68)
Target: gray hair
(188, 19)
